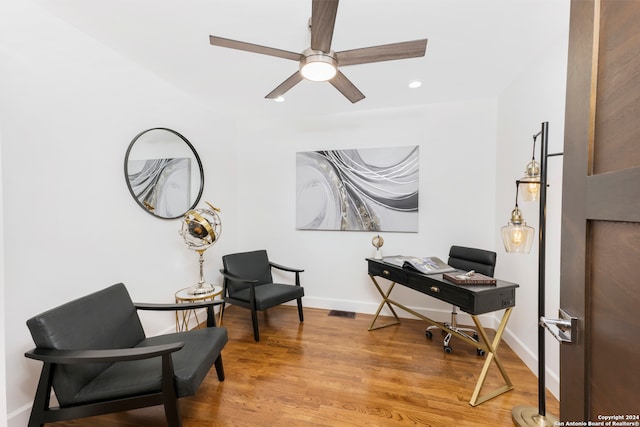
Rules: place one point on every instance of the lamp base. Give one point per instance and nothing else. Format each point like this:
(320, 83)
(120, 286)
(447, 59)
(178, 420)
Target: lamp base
(524, 416)
(201, 289)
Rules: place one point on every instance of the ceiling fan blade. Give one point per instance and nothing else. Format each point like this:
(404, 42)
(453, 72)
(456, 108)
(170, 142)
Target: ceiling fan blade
(293, 80)
(387, 52)
(250, 47)
(323, 20)
(348, 89)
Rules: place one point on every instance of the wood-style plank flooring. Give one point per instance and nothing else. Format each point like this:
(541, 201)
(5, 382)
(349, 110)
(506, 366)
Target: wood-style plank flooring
(331, 371)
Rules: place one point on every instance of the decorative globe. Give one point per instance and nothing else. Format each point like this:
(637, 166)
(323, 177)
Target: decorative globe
(200, 229)
(377, 243)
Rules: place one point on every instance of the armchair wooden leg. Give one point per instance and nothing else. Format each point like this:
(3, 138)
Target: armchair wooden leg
(300, 315)
(172, 413)
(41, 401)
(254, 320)
(219, 368)
(170, 398)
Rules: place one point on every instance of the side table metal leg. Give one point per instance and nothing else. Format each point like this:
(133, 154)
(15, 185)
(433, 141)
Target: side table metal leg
(221, 313)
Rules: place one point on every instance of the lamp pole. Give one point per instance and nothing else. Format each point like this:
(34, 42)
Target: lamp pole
(541, 269)
(524, 415)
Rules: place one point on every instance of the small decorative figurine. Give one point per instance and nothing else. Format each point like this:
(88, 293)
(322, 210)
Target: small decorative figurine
(377, 243)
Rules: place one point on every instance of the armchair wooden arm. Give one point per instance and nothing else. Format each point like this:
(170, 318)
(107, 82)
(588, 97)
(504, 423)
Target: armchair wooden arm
(231, 276)
(289, 269)
(211, 319)
(284, 268)
(176, 306)
(250, 282)
(101, 356)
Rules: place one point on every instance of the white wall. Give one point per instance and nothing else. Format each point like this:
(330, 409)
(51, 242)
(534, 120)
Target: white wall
(69, 109)
(3, 371)
(538, 95)
(457, 171)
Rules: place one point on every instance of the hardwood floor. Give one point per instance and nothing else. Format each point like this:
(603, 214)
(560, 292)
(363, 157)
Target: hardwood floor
(330, 371)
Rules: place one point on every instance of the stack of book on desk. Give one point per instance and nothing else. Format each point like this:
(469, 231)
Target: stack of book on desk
(470, 278)
(426, 265)
(434, 265)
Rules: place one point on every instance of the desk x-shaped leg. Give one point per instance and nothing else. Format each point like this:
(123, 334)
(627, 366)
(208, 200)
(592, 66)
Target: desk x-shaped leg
(385, 301)
(492, 355)
(483, 342)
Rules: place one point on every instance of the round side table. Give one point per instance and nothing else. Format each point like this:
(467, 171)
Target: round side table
(183, 317)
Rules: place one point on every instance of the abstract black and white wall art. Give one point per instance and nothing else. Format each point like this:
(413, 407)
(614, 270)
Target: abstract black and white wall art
(373, 189)
(162, 185)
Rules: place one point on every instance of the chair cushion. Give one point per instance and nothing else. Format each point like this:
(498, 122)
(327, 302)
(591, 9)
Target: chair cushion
(271, 294)
(191, 364)
(103, 319)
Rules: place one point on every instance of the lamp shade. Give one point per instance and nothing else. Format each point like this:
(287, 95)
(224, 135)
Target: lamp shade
(531, 182)
(517, 236)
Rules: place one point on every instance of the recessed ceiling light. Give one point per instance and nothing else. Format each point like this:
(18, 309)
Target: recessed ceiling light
(279, 99)
(415, 84)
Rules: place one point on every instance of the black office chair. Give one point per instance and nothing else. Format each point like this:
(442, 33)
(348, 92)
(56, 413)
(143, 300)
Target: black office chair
(463, 258)
(248, 283)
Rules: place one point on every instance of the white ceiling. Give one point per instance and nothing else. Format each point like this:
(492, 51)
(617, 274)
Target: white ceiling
(475, 48)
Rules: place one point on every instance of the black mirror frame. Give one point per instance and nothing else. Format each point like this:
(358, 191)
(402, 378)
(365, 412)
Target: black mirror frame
(193, 150)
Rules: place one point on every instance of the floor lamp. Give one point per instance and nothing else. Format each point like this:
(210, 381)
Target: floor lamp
(517, 238)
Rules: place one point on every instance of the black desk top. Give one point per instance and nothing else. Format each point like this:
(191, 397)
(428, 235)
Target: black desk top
(472, 299)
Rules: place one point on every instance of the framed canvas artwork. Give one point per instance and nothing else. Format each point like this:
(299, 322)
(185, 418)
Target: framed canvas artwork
(372, 189)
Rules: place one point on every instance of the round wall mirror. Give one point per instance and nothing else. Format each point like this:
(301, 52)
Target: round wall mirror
(164, 173)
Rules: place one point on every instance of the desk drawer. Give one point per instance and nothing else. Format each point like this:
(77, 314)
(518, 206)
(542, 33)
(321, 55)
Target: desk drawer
(394, 274)
(443, 291)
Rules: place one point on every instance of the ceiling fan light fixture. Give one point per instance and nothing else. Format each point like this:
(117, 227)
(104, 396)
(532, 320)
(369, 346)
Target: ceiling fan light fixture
(318, 66)
(319, 62)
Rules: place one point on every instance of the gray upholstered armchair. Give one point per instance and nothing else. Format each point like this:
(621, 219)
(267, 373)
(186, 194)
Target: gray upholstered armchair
(248, 283)
(98, 360)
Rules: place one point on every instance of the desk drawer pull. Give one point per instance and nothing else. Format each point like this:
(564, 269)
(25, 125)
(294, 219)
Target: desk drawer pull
(386, 272)
(435, 289)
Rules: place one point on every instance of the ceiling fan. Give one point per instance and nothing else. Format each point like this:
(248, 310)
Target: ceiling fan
(319, 62)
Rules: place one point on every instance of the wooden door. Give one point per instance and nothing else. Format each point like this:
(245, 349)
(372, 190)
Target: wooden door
(600, 273)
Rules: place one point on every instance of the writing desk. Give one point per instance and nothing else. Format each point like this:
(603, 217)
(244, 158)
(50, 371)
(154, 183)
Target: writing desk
(472, 299)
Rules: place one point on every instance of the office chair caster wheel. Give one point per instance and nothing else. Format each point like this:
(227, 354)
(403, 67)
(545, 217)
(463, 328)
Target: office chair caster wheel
(480, 352)
(428, 334)
(448, 349)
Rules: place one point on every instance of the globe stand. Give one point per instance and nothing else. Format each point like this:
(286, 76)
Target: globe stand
(202, 287)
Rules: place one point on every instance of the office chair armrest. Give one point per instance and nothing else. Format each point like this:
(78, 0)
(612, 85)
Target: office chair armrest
(176, 306)
(282, 267)
(48, 355)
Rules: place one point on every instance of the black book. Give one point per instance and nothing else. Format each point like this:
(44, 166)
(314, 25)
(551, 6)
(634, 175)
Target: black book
(469, 278)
